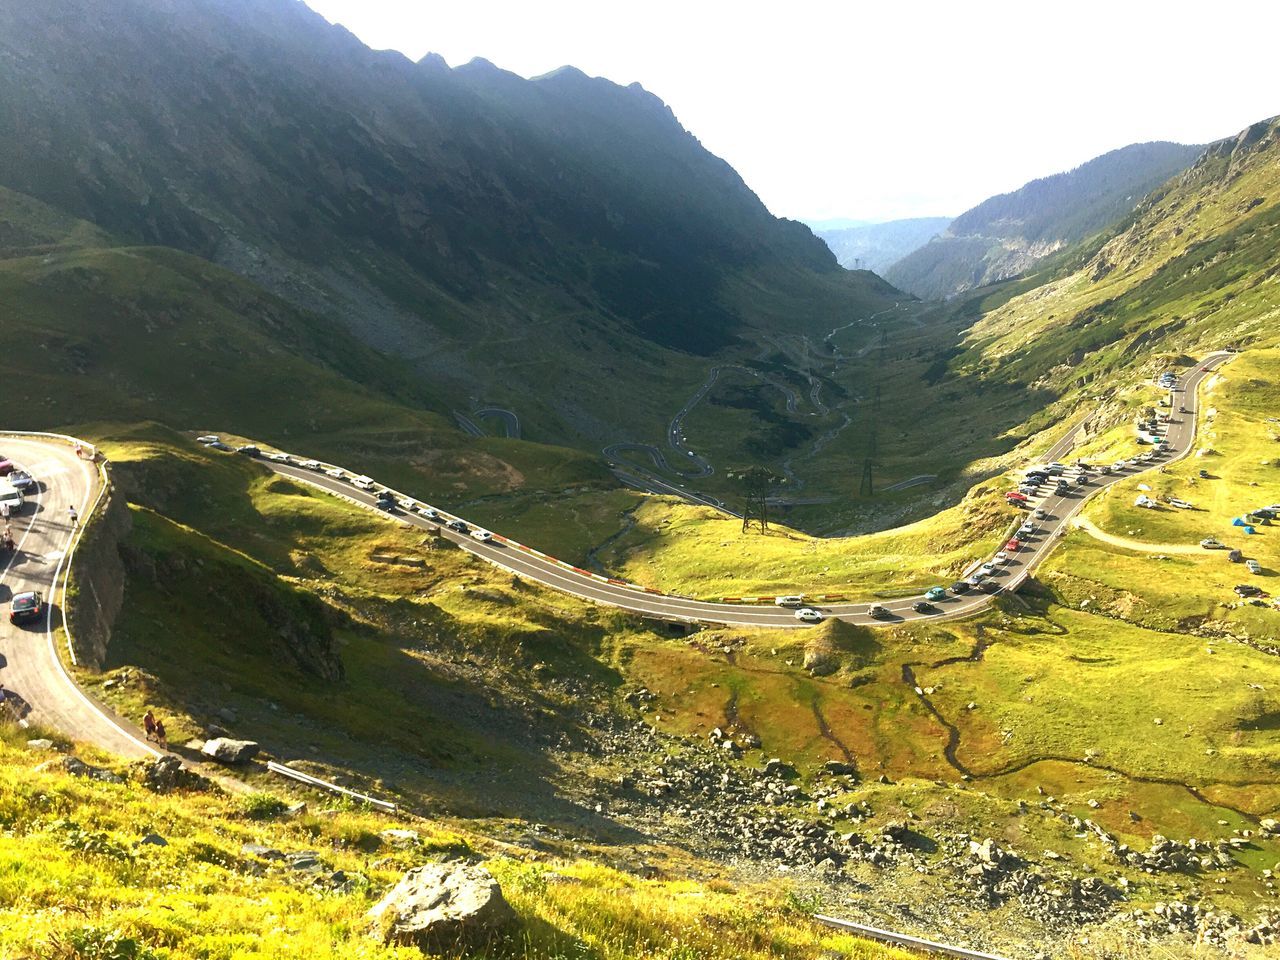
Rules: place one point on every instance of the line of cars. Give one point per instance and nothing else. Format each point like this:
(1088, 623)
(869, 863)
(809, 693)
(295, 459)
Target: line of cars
(385, 499)
(15, 485)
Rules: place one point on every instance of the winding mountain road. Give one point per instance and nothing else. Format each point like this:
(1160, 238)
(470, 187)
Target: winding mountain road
(30, 669)
(530, 564)
(45, 693)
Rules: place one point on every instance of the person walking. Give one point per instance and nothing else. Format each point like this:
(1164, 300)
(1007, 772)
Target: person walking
(149, 724)
(4, 513)
(71, 512)
(160, 735)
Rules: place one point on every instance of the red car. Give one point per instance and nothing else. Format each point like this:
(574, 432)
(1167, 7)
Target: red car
(26, 606)
(1016, 497)
(1014, 545)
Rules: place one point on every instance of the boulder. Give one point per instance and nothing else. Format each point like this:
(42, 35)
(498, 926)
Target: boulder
(226, 750)
(443, 907)
(166, 773)
(40, 744)
(78, 768)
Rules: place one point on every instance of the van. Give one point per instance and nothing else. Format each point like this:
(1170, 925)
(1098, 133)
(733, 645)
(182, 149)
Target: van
(11, 496)
(363, 483)
(789, 601)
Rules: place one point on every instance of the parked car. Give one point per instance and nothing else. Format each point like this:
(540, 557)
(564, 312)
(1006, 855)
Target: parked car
(792, 600)
(335, 472)
(960, 586)
(208, 438)
(26, 607)
(23, 481)
(249, 450)
(878, 611)
(1212, 543)
(1254, 566)
(484, 536)
(458, 526)
(277, 457)
(1235, 556)
(405, 504)
(311, 465)
(11, 496)
(388, 506)
(431, 513)
(935, 593)
(1015, 497)
(362, 483)
(1204, 474)
(808, 615)
(218, 445)
(1029, 489)
(1041, 513)
(1027, 528)
(923, 606)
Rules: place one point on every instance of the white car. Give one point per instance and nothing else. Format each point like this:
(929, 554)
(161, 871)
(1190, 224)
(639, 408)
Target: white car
(336, 473)
(277, 457)
(879, 611)
(362, 483)
(808, 615)
(988, 568)
(1002, 558)
(789, 601)
(431, 513)
(1254, 566)
(1120, 465)
(484, 536)
(311, 465)
(405, 504)
(208, 438)
(1027, 528)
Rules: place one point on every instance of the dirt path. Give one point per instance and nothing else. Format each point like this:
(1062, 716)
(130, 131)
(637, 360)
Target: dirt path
(1091, 528)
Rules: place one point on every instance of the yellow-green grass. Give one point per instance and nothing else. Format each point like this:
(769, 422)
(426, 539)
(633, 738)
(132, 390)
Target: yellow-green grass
(568, 526)
(74, 879)
(698, 551)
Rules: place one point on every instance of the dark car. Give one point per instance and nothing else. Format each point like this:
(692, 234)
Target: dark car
(26, 607)
(249, 450)
(218, 445)
(1266, 513)
(1247, 589)
(1204, 474)
(922, 606)
(388, 506)
(458, 526)
(989, 586)
(960, 587)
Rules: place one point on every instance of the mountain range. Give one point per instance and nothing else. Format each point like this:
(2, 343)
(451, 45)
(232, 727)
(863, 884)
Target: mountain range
(507, 239)
(878, 246)
(1008, 234)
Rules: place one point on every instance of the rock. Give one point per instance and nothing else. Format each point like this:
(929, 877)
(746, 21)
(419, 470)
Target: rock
(821, 661)
(154, 839)
(227, 715)
(296, 809)
(443, 907)
(167, 773)
(400, 838)
(226, 750)
(78, 768)
(264, 852)
(839, 768)
(40, 744)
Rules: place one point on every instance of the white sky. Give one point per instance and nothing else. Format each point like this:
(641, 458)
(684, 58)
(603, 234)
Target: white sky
(876, 111)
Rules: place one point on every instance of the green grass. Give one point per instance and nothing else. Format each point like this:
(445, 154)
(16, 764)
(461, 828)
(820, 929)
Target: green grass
(76, 882)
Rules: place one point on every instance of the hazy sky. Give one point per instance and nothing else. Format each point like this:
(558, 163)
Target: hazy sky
(876, 111)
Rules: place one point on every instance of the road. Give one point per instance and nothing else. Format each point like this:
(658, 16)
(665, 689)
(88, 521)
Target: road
(531, 565)
(29, 664)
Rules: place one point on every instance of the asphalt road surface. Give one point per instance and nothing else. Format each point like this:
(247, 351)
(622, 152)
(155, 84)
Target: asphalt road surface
(1036, 545)
(29, 666)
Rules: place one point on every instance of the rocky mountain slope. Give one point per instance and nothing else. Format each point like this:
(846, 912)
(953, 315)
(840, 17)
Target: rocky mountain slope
(1008, 234)
(487, 229)
(877, 246)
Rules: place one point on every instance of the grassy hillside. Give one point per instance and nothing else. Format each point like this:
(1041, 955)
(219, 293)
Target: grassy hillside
(201, 893)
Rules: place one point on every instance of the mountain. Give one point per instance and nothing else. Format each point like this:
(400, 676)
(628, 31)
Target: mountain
(1007, 234)
(508, 239)
(1191, 270)
(877, 246)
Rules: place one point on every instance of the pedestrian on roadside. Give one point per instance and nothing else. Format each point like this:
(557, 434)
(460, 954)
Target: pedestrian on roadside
(4, 513)
(160, 736)
(71, 512)
(149, 724)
